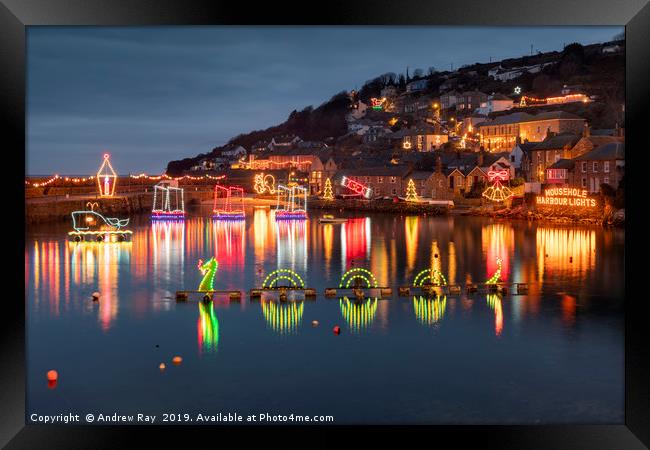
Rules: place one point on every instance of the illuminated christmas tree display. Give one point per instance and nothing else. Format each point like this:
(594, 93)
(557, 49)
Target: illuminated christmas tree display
(328, 194)
(497, 192)
(106, 178)
(411, 194)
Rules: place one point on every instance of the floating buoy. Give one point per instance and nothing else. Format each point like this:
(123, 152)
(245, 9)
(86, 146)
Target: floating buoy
(52, 375)
(177, 360)
(314, 323)
(162, 366)
(337, 329)
(51, 384)
(95, 296)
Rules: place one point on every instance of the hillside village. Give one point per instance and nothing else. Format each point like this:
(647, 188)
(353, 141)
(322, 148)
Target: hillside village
(549, 119)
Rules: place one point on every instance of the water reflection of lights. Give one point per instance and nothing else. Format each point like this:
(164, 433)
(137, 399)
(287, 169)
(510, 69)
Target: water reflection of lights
(498, 242)
(283, 318)
(358, 315)
(168, 249)
(565, 250)
(355, 241)
(291, 236)
(208, 328)
(494, 302)
(229, 247)
(429, 311)
(99, 263)
(452, 263)
(411, 233)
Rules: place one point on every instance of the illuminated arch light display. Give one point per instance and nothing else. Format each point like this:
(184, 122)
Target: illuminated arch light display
(168, 202)
(208, 328)
(497, 192)
(358, 315)
(434, 276)
(106, 178)
(496, 276)
(232, 200)
(295, 207)
(283, 317)
(429, 311)
(283, 274)
(208, 269)
(356, 187)
(358, 274)
(89, 225)
(264, 183)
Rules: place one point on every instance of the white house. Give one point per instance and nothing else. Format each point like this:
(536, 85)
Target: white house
(417, 85)
(495, 103)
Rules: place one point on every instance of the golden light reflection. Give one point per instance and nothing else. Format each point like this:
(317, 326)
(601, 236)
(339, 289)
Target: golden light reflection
(436, 265)
(208, 328)
(494, 302)
(498, 242)
(168, 250)
(429, 311)
(291, 237)
(229, 246)
(359, 315)
(452, 263)
(283, 318)
(355, 241)
(328, 242)
(263, 235)
(411, 233)
(565, 251)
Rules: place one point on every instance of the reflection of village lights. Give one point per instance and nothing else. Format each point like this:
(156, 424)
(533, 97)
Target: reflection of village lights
(208, 328)
(494, 302)
(411, 235)
(498, 241)
(358, 315)
(283, 317)
(429, 311)
(569, 250)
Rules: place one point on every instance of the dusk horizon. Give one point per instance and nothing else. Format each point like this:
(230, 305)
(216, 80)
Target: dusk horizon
(148, 95)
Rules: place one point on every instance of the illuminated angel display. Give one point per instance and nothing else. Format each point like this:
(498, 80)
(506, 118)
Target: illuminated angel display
(498, 192)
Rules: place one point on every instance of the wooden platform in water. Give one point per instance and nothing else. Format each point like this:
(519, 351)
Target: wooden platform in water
(185, 295)
(282, 290)
(360, 292)
(471, 288)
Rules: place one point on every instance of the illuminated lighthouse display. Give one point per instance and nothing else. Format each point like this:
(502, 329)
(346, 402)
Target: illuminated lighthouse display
(106, 178)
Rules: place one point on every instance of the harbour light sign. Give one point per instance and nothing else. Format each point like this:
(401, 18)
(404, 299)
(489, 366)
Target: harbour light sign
(566, 197)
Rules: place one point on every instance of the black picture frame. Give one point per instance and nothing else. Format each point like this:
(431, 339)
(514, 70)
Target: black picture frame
(15, 15)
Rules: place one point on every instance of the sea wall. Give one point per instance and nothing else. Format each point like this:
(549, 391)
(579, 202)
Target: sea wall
(378, 206)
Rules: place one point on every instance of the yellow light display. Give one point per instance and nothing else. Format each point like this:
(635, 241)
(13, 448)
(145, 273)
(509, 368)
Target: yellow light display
(565, 197)
(264, 183)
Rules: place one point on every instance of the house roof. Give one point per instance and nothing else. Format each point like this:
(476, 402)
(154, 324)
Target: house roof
(420, 175)
(613, 150)
(550, 115)
(557, 142)
(562, 164)
(526, 147)
(597, 141)
(507, 119)
(500, 97)
(394, 171)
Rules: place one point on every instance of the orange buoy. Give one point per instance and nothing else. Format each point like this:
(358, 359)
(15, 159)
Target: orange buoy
(162, 366)
(52, 375)
(177, 360)
(314, 323)
(337, 330)
(51, 384)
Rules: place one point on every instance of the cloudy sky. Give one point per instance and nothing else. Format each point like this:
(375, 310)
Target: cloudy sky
(151, 94)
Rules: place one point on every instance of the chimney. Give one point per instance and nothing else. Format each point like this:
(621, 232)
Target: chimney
(479, 161)
(438, 165)
(585, 130)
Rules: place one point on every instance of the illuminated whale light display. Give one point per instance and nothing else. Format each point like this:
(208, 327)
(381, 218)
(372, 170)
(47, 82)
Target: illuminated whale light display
(91, 226)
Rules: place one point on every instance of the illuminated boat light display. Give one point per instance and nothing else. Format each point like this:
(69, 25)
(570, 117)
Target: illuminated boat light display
(295, 203)
(168, 202)
(231, 201)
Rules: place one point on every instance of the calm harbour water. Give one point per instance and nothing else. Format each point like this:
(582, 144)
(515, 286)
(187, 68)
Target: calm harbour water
(554, 355)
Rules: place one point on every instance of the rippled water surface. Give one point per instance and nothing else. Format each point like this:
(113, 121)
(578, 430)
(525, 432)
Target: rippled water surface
(554, 355)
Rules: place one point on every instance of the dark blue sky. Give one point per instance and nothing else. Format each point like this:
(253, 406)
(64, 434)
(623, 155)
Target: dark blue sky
(148, 95)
